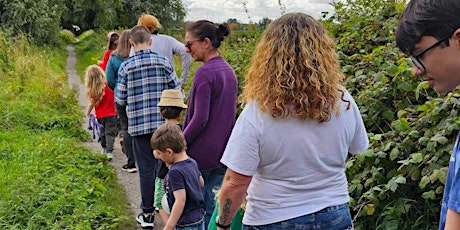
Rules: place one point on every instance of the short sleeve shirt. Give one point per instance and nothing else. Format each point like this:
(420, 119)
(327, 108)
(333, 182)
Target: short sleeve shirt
(297, 166)
(451, 198)
(185, 175)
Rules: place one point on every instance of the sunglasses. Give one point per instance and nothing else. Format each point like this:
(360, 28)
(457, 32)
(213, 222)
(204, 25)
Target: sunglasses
(190, 43)
(416, 59)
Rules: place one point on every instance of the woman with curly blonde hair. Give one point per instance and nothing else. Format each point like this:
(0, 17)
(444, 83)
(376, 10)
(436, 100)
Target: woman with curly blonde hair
(289, 145)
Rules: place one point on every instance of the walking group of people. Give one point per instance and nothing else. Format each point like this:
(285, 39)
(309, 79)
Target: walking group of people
(282, 164)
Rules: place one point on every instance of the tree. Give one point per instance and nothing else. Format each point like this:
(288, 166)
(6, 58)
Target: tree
(109, 14)
(264, 22)
(232, 20)
(171, 14)
(37, 18)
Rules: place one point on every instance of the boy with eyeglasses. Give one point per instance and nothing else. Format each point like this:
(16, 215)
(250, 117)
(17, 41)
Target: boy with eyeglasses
(429, 31)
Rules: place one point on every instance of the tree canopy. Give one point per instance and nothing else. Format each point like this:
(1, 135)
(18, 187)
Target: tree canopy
(42, 19)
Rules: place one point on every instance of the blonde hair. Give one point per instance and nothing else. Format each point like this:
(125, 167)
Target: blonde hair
(295, 70)
(123, 46)
(95, 83)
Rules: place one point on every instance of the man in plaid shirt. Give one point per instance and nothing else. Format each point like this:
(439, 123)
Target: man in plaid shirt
(141, 79)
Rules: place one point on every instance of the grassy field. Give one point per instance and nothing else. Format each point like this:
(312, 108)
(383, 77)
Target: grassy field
(47, 179)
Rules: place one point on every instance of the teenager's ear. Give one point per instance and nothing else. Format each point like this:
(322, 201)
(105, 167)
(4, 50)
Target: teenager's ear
(456, 38)
(150, 42)
(169, 151)
(131, 42)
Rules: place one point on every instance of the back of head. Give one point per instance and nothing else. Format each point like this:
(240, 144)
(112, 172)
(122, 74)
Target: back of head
(168, 136)
(437, 18)
(95, 83)
(171, 104)
(112, 39)
(206, 29)
(150, 22)
(140, 35)
(123, 46)
(295, 70)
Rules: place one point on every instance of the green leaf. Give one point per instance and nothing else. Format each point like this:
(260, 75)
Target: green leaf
(423, 182)
(401, 125)
(400, 180)
(429, 195)
(370, 209)
(394, 153)
(417, 157)
(440, 139)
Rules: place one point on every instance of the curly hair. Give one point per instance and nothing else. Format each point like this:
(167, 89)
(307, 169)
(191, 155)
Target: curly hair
(295, 70)
(95, 83)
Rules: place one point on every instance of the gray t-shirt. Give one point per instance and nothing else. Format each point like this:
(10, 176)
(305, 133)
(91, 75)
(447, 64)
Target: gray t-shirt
(297, 166)
(169, 46)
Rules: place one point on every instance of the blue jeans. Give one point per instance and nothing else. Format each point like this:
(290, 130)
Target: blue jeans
(331, 218)
(212, 181)
(198, 226)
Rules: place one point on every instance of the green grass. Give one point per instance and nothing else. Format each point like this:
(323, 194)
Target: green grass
(47, 179)
(89, 49)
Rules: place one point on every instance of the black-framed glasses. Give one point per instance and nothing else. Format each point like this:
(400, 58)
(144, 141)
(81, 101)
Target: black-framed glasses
(190, 43)
(415, 59)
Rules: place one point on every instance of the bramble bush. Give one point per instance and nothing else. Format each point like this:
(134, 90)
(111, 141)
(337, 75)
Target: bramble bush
(398, 182)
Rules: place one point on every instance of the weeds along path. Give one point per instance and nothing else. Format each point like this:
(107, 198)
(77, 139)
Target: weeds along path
(130, 181)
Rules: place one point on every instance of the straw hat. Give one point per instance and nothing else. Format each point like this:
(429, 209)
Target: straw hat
(149, 21)
(172, 97)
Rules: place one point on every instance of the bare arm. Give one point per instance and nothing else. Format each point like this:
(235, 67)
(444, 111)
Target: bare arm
(177, 209)
(452, 220)
(201, 182)
(232, 194)
(90, 108)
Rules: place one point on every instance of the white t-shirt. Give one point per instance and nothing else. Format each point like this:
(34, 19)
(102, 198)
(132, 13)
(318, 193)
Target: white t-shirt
(297, 166)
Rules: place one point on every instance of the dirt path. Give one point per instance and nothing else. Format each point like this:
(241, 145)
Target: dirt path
(130, 181)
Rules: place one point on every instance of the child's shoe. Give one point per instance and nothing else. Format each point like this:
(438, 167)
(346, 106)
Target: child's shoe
(146, 221)
(109, 156)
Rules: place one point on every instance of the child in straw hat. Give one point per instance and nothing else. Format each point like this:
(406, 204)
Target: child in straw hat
(171, 106)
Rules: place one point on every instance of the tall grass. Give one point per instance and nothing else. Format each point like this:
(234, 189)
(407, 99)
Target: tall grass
(47, 179)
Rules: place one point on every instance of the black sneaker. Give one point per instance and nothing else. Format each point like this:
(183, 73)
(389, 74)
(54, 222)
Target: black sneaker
(146, 221)
(126, 168)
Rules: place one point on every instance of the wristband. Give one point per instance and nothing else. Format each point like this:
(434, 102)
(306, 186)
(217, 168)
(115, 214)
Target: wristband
(221, 225)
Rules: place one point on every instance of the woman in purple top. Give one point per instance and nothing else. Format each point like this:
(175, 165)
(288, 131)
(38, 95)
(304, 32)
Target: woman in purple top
(212, 102)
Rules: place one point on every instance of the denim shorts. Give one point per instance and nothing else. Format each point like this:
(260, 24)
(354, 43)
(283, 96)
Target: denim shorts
(331, 218)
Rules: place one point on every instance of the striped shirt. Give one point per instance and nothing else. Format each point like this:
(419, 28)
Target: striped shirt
(141, 79)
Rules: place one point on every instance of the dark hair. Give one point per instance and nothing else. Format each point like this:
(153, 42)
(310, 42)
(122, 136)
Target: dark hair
(437, 18)
(206, 29)
(140, 35)
(168, 136)
(112, 41)
(170, 112)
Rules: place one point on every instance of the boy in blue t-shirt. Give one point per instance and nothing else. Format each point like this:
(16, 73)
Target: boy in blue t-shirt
(429, 31)
(184, 179)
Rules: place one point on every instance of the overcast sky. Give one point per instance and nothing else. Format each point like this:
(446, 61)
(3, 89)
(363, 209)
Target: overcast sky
(219, 11)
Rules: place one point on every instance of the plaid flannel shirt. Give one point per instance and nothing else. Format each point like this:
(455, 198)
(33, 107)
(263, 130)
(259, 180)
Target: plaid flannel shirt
(141, 79)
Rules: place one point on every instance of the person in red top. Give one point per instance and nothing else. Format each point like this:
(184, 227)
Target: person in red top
(101, 98)
(112, 40)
